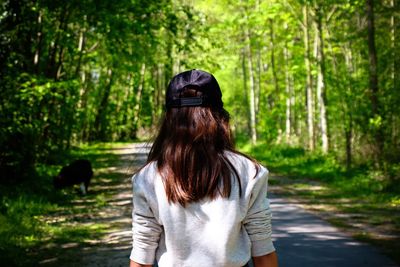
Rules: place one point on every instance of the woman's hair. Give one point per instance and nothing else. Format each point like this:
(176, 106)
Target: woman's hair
(189, 152)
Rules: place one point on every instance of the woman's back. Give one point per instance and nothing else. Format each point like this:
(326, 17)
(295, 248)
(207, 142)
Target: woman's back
(205, 233)
(199, 202)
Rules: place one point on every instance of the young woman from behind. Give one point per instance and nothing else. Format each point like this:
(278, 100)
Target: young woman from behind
(199, 202)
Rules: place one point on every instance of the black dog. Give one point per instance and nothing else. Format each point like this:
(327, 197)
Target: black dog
(78, 172)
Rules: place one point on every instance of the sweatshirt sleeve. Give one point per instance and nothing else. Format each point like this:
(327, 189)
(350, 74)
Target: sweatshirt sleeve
(146, 230)
(258, 218)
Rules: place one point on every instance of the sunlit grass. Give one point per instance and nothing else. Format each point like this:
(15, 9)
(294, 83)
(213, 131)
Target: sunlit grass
(76, 232)
(295, 163)
(363, 195)
(33, 214)
(101, 200)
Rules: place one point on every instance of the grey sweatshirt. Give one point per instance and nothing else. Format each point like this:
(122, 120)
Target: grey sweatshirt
(224, 232)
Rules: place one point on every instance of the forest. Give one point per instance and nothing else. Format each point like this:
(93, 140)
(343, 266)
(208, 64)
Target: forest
(317, 74)
(321, 76)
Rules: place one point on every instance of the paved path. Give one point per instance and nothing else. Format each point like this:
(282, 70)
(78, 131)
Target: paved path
(301, 238)
(304, 240)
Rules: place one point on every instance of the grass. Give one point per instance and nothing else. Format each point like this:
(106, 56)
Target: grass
(360, 201)
(34, 215)
(36, 219)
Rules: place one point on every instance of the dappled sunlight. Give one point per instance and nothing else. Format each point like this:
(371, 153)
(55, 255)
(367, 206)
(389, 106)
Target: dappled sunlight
(70, 245)
(107, 188)
(311, 241)
(365, 218)
(107, 206)
(49, 261)
(312, 89)
(100, 234)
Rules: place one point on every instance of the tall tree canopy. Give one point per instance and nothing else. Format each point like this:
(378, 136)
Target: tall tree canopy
(313, 73)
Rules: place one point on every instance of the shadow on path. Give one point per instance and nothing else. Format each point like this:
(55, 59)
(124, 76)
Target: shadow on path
(111, 184)
(301, 238)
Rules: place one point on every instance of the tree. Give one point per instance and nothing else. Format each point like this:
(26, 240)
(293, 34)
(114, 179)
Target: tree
(373, 78)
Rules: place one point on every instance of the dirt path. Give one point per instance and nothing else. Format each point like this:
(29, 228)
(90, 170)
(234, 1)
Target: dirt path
(111, 185)
(301, 238)
(114, 248)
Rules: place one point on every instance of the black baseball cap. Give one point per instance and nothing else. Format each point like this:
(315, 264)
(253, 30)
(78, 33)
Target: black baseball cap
(198, 80)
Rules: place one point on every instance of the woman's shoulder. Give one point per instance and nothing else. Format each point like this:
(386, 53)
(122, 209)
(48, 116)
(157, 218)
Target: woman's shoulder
(145, 174)
(244, 163)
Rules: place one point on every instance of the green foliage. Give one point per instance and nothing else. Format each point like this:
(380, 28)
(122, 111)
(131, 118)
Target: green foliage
(97, 70)
(85, 70)
(364, 195)
(297, 163)
(79, 71)
(20, 218)
(21, 224)
(33, 214)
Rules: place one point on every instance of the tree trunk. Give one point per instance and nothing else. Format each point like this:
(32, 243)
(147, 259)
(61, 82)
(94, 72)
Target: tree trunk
(288, 90)
(157, 94)
(347, 107)
(395, 73)
(99, 123)
(273, 66)
(309, 92)
(253, 129)
(138, 100)
(373, 78)
(245, 89)
(322, 100)
(393, 39)
(39, 41)
(59, 63)
(52, 65)
(349, 136)
(81, 46)
(258, 84)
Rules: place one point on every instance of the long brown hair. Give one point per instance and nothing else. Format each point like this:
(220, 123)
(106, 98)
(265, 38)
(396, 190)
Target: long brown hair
(190, 153)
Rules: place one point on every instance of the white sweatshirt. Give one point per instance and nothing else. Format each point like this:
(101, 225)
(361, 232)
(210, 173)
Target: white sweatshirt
(224, 232)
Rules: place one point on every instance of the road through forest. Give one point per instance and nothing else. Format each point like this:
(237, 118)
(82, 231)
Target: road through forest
(301, 238)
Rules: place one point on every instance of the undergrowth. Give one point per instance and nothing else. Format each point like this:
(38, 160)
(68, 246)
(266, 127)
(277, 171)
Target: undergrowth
(25, 208)
(295, 163)
(367, 195)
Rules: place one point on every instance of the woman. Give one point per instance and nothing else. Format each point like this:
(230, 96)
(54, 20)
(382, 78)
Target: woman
(197, 201)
